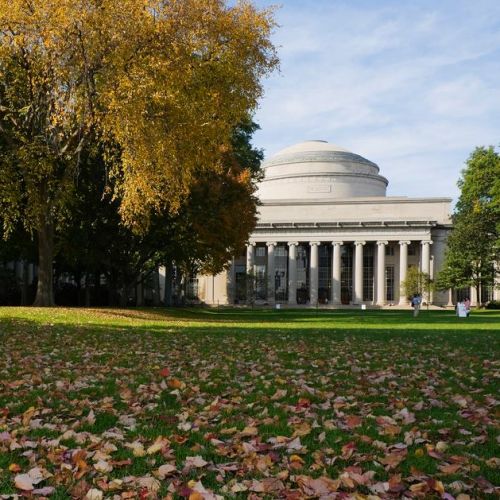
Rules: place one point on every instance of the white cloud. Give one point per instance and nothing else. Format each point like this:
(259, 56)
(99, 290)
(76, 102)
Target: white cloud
(400, 83)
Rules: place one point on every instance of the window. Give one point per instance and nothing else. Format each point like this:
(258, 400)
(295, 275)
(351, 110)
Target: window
(412, 250)
(192, 289)
(260, 283)
(389, 250)
(302, 274)
(346, 274)
(281, 273)
(368, 272)
(389, 283)
(260, 251)
(324, 273)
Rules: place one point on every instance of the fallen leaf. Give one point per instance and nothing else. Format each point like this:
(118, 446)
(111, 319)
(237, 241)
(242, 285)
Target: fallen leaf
(23, 482)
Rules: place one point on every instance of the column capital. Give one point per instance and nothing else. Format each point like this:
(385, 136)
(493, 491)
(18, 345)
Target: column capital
(337, 243)
(405, 243)
(382, 243)
(292, 243)
(271, 244)
(315, 243)
(426, 242)
(251, 243)
(360, 243)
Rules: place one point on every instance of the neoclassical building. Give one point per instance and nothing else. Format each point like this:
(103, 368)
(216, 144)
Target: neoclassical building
(328, 234)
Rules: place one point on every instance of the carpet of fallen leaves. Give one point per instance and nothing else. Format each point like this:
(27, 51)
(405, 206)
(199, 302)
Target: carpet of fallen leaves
(248, 404)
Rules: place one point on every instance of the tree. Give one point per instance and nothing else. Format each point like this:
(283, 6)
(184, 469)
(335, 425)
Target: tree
(160, 85)
(211, 226)
(417, 282)
(473, 245)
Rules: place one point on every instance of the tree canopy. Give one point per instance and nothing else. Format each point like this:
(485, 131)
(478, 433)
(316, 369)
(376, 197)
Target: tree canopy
(160, 86)
(473, 245)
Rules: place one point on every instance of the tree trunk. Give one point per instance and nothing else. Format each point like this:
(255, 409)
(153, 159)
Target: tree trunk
(45, 288)
(156, 289)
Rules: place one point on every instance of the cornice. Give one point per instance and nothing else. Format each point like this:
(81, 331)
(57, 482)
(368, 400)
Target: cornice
(382, 200)
(308, 175)
(265, 226)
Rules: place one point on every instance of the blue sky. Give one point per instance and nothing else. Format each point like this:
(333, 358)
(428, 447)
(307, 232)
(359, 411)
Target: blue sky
(412, 85)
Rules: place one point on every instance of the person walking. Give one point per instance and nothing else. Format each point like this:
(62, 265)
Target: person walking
(416, 301)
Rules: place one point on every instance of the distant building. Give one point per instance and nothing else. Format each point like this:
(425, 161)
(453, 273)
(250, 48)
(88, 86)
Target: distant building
(328, 234)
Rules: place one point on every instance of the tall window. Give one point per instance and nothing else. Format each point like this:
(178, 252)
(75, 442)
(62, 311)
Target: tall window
(346, 274)
(281, 273)
(389, 283)
(260, 273)
(324, 273)
(302, 274)
(240, 284)
(368, 272)
(192, 288)
(260, 282)
(486, 293)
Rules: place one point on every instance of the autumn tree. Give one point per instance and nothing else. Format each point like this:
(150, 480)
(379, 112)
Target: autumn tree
(211, 226)
(473, 245)
(161, 85)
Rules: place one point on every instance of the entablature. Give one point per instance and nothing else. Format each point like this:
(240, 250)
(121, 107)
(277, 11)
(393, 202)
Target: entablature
(265, 226)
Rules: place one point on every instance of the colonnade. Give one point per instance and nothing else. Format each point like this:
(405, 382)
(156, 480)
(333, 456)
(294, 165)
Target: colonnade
(335, 298)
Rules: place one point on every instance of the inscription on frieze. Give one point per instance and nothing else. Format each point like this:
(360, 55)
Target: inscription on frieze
(319, 188)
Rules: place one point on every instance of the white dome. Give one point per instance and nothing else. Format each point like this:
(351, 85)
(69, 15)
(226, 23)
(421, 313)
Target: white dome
(319, 170)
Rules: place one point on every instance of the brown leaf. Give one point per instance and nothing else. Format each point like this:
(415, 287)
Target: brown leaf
(353, 421)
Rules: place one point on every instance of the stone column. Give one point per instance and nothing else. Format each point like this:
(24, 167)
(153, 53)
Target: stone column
(431, 274)
(232, 282)
(271, 278)
(474, 299)
(381, 272)
(358, 271)
(313, 277)
(403, 267)
(336, 272)
(425, 265)
(450, 298)
(292, 273)
(496, 281)
(250, 272)
(426, 256)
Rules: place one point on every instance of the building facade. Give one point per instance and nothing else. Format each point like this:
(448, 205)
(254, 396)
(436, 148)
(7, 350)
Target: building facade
(328, 234)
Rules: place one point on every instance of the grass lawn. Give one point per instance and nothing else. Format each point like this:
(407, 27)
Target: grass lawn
(192, 403)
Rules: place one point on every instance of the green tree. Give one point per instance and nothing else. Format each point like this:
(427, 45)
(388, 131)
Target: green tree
(473, 245)
(417, 282)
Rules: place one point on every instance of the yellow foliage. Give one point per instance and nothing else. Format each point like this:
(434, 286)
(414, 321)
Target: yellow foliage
(163, 83)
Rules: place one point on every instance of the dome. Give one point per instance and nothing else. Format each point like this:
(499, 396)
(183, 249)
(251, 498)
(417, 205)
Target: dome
(319, 170)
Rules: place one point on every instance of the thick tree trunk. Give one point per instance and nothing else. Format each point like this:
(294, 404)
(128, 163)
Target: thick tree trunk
(45, 288)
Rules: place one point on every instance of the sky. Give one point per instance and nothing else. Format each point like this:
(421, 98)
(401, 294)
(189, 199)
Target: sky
(413, 86)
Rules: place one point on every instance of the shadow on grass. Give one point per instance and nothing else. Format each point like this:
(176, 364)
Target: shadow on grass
(290, 325)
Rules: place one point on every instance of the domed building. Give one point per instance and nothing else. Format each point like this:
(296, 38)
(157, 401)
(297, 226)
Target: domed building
(328, 234)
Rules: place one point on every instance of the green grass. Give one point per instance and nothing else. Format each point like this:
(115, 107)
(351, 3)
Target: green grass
(413, 382)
